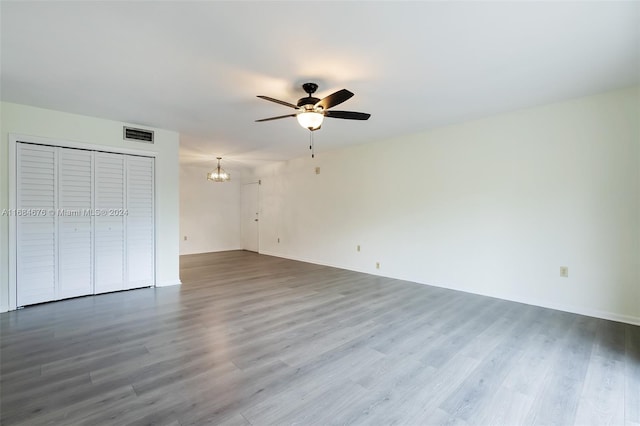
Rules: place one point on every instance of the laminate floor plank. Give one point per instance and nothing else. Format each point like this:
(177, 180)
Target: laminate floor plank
(155, 364)
(321, 408)
(602, 398)
(557, 401)
(158, 408)
(41, 385)
(426, 394)
(250, 339)
(21, 404)
(503, 407)
(632, 376)
(383, 401)
(213, 404)
(73, 413)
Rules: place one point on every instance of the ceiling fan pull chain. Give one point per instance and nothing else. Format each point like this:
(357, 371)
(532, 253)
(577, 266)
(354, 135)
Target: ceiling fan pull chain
(311, 147)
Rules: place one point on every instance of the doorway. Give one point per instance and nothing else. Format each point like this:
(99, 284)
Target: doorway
(250, 221)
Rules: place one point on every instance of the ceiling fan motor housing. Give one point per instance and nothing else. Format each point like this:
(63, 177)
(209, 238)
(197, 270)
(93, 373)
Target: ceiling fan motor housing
(309, 100)
(310, 88)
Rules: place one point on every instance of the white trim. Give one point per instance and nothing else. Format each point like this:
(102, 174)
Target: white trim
(243, 226)
(16, 137)
(156, 237)
(215, 251)
(13, 179)
(168, 283)
(56, 223)
(578, 310)
(595, 313)
(93, 223)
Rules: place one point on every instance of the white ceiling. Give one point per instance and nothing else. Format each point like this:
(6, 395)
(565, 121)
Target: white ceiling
(196, 67)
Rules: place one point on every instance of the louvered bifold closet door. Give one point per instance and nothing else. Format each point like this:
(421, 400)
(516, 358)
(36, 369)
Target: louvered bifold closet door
(35, 224)
(140, 222)
(109, 195)
(75, 188)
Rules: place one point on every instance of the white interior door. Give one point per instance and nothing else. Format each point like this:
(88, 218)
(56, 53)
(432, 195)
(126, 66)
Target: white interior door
(249, 224)
(36, 254)
(75, 234)
(109, 193)
(140, 222)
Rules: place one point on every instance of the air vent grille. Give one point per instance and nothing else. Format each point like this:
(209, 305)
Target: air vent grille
(138, 135)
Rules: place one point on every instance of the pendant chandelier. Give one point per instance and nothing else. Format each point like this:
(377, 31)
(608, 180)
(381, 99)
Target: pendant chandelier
(218, 174)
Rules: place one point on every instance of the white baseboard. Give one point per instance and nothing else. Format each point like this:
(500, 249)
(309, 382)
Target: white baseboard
(168, 283)
(580, 310)
(188, 252)
(595, 313)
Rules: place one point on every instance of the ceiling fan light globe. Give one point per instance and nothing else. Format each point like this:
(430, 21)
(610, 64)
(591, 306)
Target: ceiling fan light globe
(310, 120)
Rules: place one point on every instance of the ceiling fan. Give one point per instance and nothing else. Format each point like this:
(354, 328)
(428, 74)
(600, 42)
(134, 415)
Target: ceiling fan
(311, 111)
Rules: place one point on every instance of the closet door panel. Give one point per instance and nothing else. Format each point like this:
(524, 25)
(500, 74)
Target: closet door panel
(75, 187)
(109, 196)
(36, 224)
(140, 222)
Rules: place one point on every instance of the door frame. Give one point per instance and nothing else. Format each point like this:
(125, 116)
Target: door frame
(242, 218)
(14, 139)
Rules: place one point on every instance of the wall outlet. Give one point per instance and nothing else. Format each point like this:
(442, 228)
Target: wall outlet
(564, 271)
(185, 238)
(377, 265)
(358, 247)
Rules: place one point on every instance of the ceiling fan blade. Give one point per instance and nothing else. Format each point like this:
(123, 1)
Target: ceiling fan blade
(276, 118)
(267, 98)
(334, 99)
(349, 115)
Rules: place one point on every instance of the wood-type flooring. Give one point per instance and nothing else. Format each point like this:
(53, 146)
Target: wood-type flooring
(250, 339)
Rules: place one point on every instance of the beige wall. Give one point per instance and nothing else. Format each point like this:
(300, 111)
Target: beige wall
(494, 206)
(209, 211)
